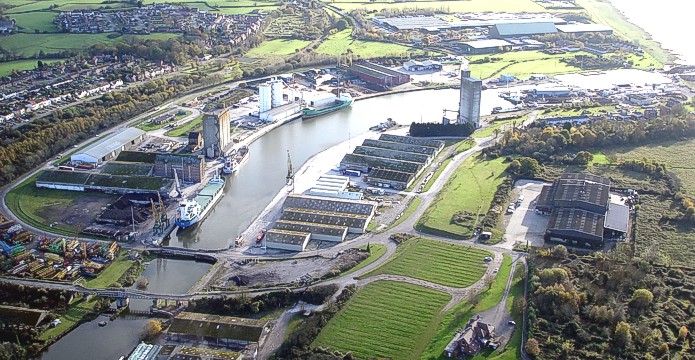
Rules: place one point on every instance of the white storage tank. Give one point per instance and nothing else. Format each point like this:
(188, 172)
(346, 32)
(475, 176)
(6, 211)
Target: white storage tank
(276, 89)
(264, 98)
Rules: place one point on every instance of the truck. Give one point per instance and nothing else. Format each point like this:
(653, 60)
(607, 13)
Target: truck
(349, 172)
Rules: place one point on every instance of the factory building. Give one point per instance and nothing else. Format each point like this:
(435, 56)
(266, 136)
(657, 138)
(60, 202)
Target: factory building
(579, 28)
(109, 147)
(392, 154)
(217, 132)
(334, 187)
(110, 184)
(356, 224)
(390, 179)
(287, 239)
(469, 102)
(490, 46)
(582, 210)
(365, 163)
(322, 232)
(188, 168)
(504, 30)
(216, 330)
(425, 150)
(436, 144)
(378, 75)
(272, 106)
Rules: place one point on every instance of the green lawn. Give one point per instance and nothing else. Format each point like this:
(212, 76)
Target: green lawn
(149, 126)
(470, 189)
(111, 274)
(522, 64)
(75, 313)
(19, 65)
(435, 261)
(341, 42)
(458, 316)
(185, 128)
(497, 125)
(277, 47)
(450, 6)
(37, 20)
(386, 320)
(376, 251)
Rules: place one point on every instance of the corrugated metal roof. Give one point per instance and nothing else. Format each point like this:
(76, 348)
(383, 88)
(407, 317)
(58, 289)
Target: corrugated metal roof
(574, 28)
(484, 44)
(529, 28)
(112, 142)
(617, 217)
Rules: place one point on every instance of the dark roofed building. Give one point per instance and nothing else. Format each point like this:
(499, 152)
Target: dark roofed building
(195, 140)
(425, 150)
(437, 144)
(379, 75)
(389, 178)
(392, 154)
(576, 225)
(355, 223)
(189, 168)
(365, 163)
(287, 239)
(216, 329)
(470, 339)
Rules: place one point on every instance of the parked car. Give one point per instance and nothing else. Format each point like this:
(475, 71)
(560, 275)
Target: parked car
(496, 270)
(487, 259)
(511, 322)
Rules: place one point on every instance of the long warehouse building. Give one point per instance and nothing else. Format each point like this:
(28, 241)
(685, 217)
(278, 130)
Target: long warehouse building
(109, 147)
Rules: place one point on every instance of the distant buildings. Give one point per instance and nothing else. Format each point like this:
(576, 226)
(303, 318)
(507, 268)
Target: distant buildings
(379, 75)
(489, 46)
(109, 147)
(217, 132)
(469, 102)
(503, 30)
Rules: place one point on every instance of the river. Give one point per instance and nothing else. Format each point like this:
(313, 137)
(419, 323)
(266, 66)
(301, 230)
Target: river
(89, 341)
(665, 22)
(257, 182)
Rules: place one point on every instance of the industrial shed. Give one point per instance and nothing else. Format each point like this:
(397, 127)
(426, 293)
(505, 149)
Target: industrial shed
(366, 162)
(356, 224)
(502, 30)
(390, 179)
(287, 239)
(110, 184)
(584, 28)
(392, 154)
(424, 150)
(329, 205)
(109, 147)
(412, 141)
(576, 226)
(189, 168)
(215, 329)
(323, 232)
(378, 75)
(490, 46)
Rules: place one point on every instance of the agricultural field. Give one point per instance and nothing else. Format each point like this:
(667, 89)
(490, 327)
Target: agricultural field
(468, 193)
(32, 44)
(522, 64)
(340, 42)
(385, 319)
(20, 65)
(277, 47)
(448, 6)
(435, 261)
(41, 21)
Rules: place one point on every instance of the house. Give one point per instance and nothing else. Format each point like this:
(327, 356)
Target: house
(470, 339)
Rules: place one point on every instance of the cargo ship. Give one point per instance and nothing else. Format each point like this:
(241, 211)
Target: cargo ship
(235, 159)
(193, 211)
(325, 105)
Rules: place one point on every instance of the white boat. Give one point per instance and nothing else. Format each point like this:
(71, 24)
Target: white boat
(235, 160)
(193, 211)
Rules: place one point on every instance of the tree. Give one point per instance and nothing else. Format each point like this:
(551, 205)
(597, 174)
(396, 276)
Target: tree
(141, 283)
(152, 328)
(641, 298)
(532, 347)
(519, 305)
(583, 158)
(683, 332)
(341, 25)
(622, 336)
(560, 251)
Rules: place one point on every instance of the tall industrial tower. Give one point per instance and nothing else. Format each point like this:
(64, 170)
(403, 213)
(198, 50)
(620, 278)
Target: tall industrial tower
(469, 103)
(217, 132)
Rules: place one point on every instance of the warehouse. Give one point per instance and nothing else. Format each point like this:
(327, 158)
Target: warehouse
(584, 29)
(322, 232)
(390, 179)
(378, 75)
(490, 46)
(424, 150)
(392, 154)
(356, 224)
(413, 141)
(503, 30)
(109, 147)
(287, 239)
(364, 163)
(582, 210)
(188, 168)
(216, 330)
(110, 184)
(329, 205)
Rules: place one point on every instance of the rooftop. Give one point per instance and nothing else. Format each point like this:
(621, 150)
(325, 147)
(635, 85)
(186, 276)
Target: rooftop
(393, 154)
(112, 143)
(328, 205)
(485, 44)
(323, 229)
(578, 28)
(525, 28)
(289, 237)
(437, 144)
(425, 150)
(382, 162)
(582, 221)
(325, 218)
(617, 217)
(217, 326)
(391, 175)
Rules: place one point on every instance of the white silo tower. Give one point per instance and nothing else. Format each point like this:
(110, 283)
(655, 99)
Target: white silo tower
(277, 87)
(264, 98)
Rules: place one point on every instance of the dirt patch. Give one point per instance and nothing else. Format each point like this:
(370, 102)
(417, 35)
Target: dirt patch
(297, 272)
(80, 212)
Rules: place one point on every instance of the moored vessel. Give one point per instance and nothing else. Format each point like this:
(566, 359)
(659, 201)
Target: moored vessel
(327, 106)
(193, 211)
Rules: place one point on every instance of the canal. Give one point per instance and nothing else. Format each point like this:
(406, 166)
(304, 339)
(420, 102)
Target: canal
(90, 341)
(257, 182)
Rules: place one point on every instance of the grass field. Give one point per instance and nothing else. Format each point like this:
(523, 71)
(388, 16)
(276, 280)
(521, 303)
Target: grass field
(20, 65)
(385, 320)
(31, 44)
(37, 20)
(437, 262)
(603, 12)
(28, 203)
(185, 128)
(339, 43)
(376, 251)
(277, 47)
(75, 313)
(522, 64)
(501, 125)
(451, 6)
(470, 189)
(458, 316)
(149, 126)
(111, 274)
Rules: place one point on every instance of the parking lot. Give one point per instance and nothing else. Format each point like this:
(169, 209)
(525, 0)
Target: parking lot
(524, 224)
